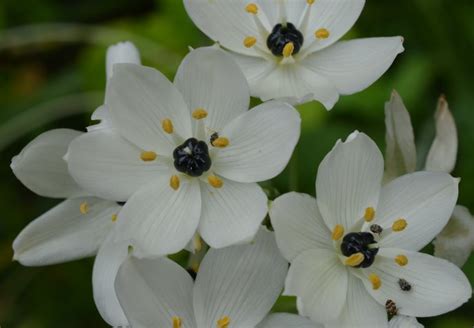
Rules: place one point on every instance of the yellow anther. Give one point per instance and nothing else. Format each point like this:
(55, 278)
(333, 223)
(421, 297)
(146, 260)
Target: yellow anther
(251, 8)
(322, 34)
(337, 232)
(114, 217)
(401, 260)
(174, 182)
(84, 208)
(199, 113)
(309, 2)
(288, 49)
(354, 259)
(369, 214)
(250, 41)
(399, 225)
(375, 280)
(221, 142)
(198, 243)
(167, 125)
(176, 322)
(148, 156)
(195, 267)
(215, 181)
(223, 322)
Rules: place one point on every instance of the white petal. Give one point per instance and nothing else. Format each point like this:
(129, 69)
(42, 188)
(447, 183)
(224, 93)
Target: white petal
(101, 114)
(139, 99)
(241, 282)
(226, 22)
(159, 220)
(456, 242)
(107, 263)
(152, 292)
(400, 154)
(298, 225)
(208, 78)
(107, 165)
(443, 151)
(349, 180)
(261, 143)
(402, 321)
(354, 65)
(122, 52)
(286, 320)
(424, 199)
(437, 286)
(361, 310)
(320, 280)
(64, 233)
(41, 168)
(231, 214)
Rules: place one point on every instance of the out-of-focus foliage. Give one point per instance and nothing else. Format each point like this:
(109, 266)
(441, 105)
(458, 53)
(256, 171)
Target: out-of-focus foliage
(52, 74)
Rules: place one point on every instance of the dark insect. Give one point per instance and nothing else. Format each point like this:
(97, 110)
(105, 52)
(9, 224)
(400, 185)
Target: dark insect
(404, 285)
(214, 136)
(375, 228)
(391, 308)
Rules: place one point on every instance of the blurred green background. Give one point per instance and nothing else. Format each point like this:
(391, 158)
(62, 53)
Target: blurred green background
(52, 74)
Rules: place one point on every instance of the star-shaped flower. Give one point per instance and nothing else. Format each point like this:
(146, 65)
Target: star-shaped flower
(354, 251)
(235, 287)
(290, 48)
(185, 156)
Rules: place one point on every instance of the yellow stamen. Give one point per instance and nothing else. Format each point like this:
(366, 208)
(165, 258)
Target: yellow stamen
(223, 322)
(199, 113)
(148, 156)
(310, 2)
(197, 243)
(250, 41)
(322, 34)
(399, 225)
(114, 217)
(354, 259)
(176, 322)
(369, 214)
(375, 280)
(84, 208)
(401, 260)
(215, 181)
(251, 8)
(174, 182)
(221, 142)
(288, 49)
(167, 125)
(195, 267)
(337, 232)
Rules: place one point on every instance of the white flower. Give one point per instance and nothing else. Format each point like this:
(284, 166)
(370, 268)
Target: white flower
(401, 321)
(354, 250)
(289, 49)
(80, 226)
(235, 287)
(185, 156)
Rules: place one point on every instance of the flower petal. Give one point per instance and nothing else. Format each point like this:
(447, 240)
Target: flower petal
(287, 320)
(107, 263)
(231, 214)
(360, 310)
(437, 286)
(158, 220)
(443, 151)
(110, 167)
(320, 280)
(139, 99)
(41, 168)
(349, 180)
(354, 65)
(402, 321)
(261, 143)
(64, 233)
(424, 199)
(152, 292)
(241, 282)
(456, 242)
(119, 53)
(203, 79)
(298, 225)
(400, 154)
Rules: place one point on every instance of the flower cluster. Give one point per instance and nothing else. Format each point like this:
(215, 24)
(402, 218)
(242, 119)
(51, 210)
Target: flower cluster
(176, 165)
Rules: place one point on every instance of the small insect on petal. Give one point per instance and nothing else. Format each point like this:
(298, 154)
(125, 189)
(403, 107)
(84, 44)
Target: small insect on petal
(148, 156)
(399, 225)
(251, 8)
(354, 260)
(375, 280)
(337, 232)
(223, 322)
(321, 34)
(250, 41)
